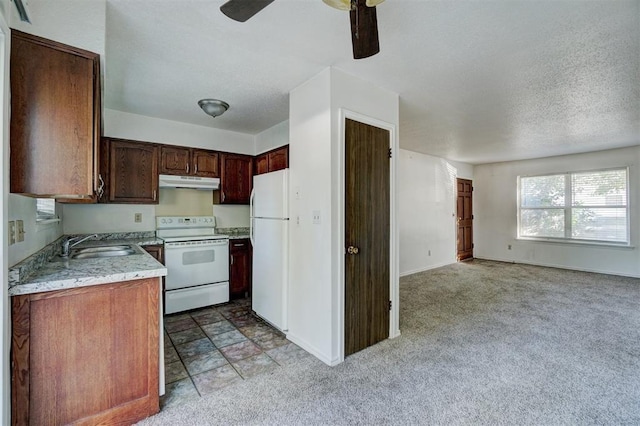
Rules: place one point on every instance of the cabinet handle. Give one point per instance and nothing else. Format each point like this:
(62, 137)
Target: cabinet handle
(187, 168)
(223, 196)
(154, 195)
(239, 245)
(195, 169)
(232, 259)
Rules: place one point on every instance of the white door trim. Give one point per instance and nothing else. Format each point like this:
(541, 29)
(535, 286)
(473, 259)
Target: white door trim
(394, 279)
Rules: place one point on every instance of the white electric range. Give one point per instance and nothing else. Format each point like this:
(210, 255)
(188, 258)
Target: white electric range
(197, 261)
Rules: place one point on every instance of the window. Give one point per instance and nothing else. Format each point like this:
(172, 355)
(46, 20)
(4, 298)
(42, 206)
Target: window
(581, 206)
(45, 209)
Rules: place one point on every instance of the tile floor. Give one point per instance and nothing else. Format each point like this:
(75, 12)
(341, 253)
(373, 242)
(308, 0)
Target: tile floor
(208, 349)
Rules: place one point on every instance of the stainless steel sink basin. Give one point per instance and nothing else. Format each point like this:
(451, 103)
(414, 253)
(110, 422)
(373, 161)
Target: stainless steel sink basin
(101, 249)
(98, 252)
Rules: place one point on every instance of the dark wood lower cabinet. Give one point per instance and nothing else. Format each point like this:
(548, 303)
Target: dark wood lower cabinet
(239, 268)
(157, 251)
(86, 355)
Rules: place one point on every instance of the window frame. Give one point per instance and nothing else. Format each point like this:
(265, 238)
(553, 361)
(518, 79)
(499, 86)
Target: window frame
(568, 207)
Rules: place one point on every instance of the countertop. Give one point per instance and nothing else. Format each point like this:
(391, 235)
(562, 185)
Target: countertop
(85, 272)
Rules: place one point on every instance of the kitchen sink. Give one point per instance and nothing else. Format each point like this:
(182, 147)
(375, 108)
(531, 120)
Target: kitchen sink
(98, 252)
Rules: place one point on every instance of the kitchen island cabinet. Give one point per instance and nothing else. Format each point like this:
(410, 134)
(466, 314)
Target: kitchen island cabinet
(131, 170)
(86, 355)
(181, 161)
(239, 268)
(236, 179)
(55, 119)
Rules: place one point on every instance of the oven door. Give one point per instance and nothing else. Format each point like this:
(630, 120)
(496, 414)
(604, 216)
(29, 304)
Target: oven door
(193, 263)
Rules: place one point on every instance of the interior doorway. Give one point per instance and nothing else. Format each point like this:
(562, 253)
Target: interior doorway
(464, 219)
(367, 235)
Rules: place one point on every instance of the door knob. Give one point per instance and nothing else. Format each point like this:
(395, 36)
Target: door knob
(353, 250)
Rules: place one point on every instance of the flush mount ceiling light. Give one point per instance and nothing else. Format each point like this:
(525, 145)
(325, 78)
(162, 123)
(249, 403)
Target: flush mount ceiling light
(213, 107)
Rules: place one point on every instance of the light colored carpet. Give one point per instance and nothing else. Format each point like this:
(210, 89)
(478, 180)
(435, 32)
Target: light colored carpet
(482, 343)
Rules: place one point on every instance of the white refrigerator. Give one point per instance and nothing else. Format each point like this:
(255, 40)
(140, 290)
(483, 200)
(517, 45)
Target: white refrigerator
(269, 232)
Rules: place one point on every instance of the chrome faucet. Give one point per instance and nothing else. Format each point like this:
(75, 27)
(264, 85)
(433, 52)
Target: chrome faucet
(72, 242)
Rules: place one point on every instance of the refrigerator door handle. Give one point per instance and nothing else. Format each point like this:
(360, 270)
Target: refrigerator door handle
(251, 216)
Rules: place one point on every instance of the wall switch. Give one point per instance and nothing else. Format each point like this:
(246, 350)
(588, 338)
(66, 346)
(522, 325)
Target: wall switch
(19, 231)
(429, 252)
(509, 247)
(137, 217)
(316, 217)
(12, 232)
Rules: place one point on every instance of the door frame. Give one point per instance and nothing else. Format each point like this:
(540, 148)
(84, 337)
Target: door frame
(339, 242)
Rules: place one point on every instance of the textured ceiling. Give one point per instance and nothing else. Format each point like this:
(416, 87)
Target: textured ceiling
(479, 81)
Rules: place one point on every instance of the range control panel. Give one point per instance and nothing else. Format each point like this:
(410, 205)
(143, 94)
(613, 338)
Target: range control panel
(167, 222)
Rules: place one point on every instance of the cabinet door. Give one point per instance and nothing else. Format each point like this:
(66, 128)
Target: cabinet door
(157, 251)
(236, 179)
(279, 159)
(55, 118)
(261, 164)
(133, 172)
(86, 355)
(240, 268)
(205, 163)
(175, 160)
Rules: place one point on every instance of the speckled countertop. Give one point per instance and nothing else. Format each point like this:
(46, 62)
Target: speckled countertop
(234, 233)
(41, 275)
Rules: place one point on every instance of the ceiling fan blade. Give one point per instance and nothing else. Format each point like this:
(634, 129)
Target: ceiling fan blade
(364, 30)
(241, 10)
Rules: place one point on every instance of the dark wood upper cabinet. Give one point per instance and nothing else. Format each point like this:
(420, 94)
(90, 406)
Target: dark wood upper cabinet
(236, 179)
(132, 171)
(55, 119)
(205, 163)
(182, 161)
(272, 161)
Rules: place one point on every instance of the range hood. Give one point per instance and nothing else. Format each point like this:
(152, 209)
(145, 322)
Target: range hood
(193, 182)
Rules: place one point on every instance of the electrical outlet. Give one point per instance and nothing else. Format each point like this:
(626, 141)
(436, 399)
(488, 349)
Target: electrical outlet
(297, 220)
(137, 217)
(316, 217)
(19, 231)
(12, 232)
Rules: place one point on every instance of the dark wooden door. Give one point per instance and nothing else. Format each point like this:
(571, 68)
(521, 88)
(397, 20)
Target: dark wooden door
(55, 118)
(465, 219)
(133, 172)
(279, 159)
(261, 164)
(240, 268)
(205, 163)
(367, 235)
(175, 161)
(236, 179)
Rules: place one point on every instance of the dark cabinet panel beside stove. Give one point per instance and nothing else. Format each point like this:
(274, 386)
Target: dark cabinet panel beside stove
(239, 268)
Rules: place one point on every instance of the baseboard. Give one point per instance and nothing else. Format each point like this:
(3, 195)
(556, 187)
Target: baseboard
(312, 350)
(415, 271)
(394, 334)
(552, 265)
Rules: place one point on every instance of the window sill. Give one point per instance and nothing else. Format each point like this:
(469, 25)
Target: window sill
(578, 243)
(43, 224)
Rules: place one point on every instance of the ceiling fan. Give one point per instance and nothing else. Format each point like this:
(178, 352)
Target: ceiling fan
(364, 23)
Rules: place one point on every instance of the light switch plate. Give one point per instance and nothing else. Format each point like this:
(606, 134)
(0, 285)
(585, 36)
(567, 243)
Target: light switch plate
(19, 231)
(137, 217)
(316, 217)
(12, 232)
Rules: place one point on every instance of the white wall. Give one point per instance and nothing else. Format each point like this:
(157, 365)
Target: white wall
(427, 207)
(495, 210)
(273, 137)
(118, 124)
(316, 260)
